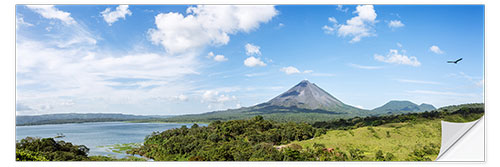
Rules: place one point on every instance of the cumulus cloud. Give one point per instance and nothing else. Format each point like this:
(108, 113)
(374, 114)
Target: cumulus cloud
(252, 49)
(290, 70)
(293, 70)
(253, 62)
(395, 57)
(207, 25)
(112, 16)
(436, 49)
(220, 58)
(360, 26)
(212, 96)
(395, 24)
(50, 12)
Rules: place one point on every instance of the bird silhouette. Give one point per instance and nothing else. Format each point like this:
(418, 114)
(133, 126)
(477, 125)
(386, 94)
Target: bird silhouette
(456, 61)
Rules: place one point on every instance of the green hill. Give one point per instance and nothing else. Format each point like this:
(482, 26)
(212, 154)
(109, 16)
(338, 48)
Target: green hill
(407, 137)
(398, 107)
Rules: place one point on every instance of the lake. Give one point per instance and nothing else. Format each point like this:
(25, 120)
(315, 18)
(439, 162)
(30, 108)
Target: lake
(95, 135)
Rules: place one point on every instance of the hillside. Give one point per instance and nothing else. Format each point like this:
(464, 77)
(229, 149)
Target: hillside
(407, 137)
(304, 102)
(399, 107)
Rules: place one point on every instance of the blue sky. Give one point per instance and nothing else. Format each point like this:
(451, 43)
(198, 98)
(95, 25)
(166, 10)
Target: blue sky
(184, 59)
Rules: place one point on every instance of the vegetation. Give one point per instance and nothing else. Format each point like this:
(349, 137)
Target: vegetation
(48, 149)
(121, 148)
(237, 140)
(462, 113)
(405, 137)
(31, 149)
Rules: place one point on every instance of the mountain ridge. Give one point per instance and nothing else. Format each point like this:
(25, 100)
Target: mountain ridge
(304, 102)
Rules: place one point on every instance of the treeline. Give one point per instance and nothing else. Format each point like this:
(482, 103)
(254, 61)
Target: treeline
(76, 118)
(48, 149)
(236, 140)
(460, 113)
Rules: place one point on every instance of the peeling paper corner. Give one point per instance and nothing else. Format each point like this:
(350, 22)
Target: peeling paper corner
(462, 141)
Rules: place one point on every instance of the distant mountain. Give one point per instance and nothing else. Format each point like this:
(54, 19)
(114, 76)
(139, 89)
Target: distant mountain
(77, 118)
(304, 102)
(307, 95)
(397, 107)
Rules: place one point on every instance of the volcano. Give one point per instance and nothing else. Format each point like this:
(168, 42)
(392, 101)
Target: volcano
(304, 102)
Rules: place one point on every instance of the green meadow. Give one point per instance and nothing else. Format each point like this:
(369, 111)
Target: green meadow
(399, 139)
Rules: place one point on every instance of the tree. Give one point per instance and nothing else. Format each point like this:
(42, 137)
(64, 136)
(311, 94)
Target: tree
(379, 156)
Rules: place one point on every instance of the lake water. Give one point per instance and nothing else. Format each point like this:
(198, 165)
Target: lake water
(97, 134)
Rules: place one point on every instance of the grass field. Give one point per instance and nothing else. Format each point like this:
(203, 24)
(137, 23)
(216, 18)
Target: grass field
(399, 139)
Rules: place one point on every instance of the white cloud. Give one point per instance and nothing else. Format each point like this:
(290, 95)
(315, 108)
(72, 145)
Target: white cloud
(220, 58)
(436, 49)
(290, 70)
(328, 29)
(207, 25)
(361, 25)
(110, 17)
(50, 72)
(20, 22)
(212, 96)
(252, 49)
(342, 9)
(181, 97)
(255, 74)
(252, 62)
(394, 57)
(210, 54)
(418, 81)
(395, 24)
(365, 67)
(477, 81)
(307, 71)
(50, 12)
(399, 45)
(333, 20)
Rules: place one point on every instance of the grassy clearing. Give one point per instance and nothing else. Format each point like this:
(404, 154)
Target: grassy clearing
(121, 148)
(399, 139)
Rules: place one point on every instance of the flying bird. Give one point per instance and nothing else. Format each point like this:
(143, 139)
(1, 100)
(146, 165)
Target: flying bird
(456, 61)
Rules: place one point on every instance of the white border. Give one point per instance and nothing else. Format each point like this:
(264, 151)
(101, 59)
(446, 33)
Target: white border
(7, 88)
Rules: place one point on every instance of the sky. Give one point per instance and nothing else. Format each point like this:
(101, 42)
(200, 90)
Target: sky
(187, 59)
